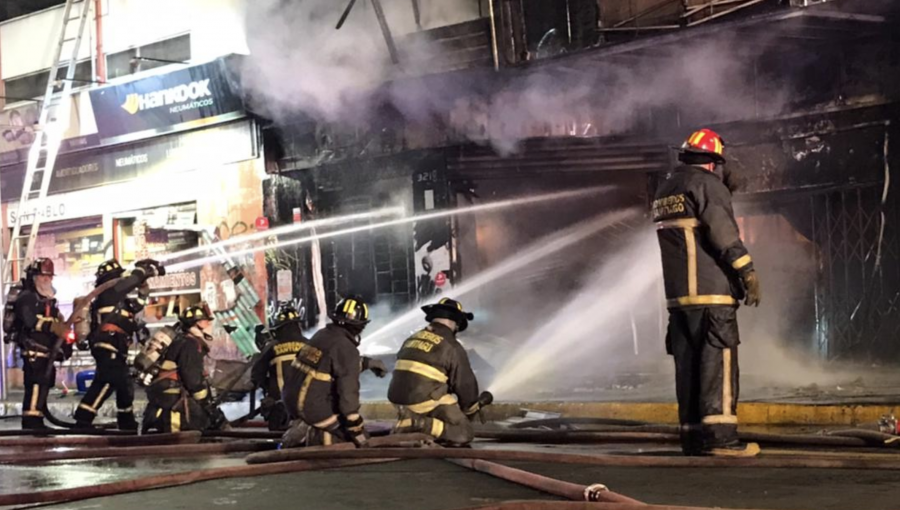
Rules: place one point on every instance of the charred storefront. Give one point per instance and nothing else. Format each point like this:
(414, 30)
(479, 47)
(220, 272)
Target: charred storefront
(807, 125)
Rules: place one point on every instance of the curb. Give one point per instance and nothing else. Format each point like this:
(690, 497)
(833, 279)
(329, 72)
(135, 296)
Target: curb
(751, 413)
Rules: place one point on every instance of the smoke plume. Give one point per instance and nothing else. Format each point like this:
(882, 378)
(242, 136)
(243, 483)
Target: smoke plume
(301, 66)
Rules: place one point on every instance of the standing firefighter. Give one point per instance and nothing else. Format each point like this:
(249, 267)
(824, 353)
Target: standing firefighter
(433, 383)
(276, 357)
(707, 271)
(178, 395)
(321, 391)
(113, 325)
(38, 325)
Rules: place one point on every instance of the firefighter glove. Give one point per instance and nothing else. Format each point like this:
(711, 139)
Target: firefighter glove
(151, 267)
(376, 366)
(752, 292)
(60, 329)
(217, 420)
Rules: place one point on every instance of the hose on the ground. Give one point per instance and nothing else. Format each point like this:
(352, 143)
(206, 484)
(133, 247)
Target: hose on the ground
(657, 434)
(568, 458)
(576, 505)
(175, 479)
(555, 423)
(180, 450)
(871, 437)
(243, 434)
(65, 432)
(581, 437)
(172, 480)
(145, 440)
(575, 492)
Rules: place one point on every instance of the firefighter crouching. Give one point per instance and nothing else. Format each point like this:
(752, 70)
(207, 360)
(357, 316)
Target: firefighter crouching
(268, 372)
(38, 324)
(113, 324)
(178, 394)
(321, 390)
(707, 271)
(433, 385)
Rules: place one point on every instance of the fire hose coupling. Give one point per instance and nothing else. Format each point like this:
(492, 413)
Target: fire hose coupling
(592, 492)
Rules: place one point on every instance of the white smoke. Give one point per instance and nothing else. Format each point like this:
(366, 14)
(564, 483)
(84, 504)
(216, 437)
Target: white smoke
(301, 66)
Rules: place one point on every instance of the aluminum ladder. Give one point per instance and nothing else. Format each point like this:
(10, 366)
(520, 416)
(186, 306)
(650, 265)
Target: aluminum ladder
(55, 112)
(52, 122)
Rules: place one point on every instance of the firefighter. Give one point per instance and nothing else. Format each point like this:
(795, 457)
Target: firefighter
(276, 356)
(433, 385)
(113, 325)
(707, 272)
(179, 395)
(321, 390)
(39, 326)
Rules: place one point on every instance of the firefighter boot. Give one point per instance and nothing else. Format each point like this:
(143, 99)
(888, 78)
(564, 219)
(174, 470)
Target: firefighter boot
(33, 423)
(411, 423)
(734, 450)
(125, 420)
(296, 435)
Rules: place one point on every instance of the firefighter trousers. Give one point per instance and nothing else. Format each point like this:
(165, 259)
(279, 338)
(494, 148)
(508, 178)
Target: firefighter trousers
(171, 412)
(37, 388)
(112, 376)
(704, 344)
(446, 423)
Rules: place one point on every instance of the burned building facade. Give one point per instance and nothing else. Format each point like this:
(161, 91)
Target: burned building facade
(802, 95)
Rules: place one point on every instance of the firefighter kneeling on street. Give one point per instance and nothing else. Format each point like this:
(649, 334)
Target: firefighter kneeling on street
(284, 342)
(113, 324)
(178, 393)
(321, 391)
(433, 385)
(707, 271)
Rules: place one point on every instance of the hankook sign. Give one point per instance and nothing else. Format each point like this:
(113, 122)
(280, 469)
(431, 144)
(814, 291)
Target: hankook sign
(182, 99)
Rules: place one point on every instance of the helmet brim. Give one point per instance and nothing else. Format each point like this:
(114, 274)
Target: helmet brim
(338, 320)
(714, 158)
(429, 309)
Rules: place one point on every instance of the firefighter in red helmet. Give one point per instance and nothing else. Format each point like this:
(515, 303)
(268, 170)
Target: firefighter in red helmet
(707, 272)
(38, 324)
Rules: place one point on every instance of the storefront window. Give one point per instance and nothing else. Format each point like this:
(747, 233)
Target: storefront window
(76, 248)
(155, 233)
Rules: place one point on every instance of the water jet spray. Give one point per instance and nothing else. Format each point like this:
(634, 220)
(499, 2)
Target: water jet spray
(502, 204)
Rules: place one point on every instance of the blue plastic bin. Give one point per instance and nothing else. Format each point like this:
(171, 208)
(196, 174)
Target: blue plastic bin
(83, 380)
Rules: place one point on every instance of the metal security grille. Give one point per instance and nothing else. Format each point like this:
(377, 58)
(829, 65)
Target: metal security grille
(858, 286)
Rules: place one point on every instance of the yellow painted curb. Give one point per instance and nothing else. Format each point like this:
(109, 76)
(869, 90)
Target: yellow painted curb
(751, 413)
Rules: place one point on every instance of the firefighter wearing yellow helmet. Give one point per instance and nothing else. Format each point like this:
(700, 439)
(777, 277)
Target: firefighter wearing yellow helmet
(285, 339)
(321, 389)
(179, 396)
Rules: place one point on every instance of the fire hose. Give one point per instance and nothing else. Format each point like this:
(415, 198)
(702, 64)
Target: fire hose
(568, 458)
(173, 480)
(180, 450)
(593, 493)
(65, 432)
(185, 478)
(660, 434)
(577, 505)
(563, 422)
(98, 441)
